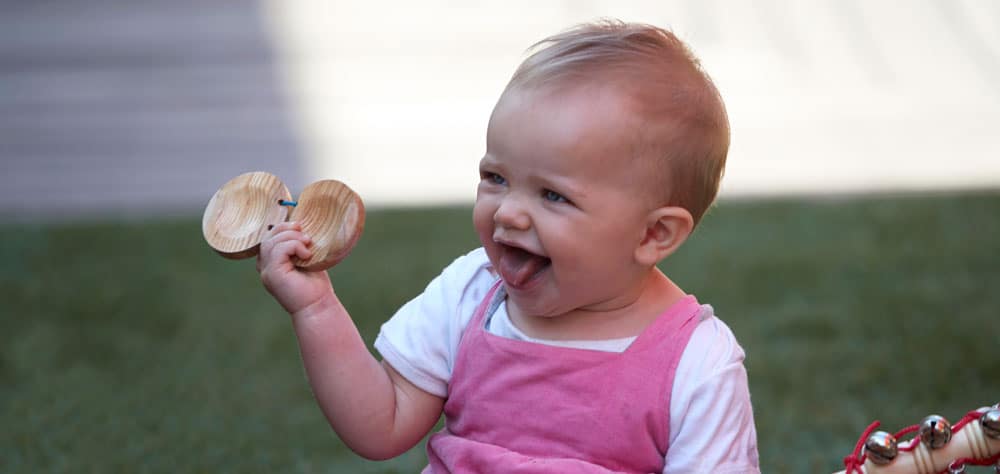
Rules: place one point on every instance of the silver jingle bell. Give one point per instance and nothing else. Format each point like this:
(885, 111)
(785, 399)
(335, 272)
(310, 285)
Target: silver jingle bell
(935, 431)
(881, 448)
(956, 469)
(990, 421)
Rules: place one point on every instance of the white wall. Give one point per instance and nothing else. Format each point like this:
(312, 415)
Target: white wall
(110, 106)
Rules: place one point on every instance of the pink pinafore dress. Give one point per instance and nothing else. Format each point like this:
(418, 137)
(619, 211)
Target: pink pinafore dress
(522, 407)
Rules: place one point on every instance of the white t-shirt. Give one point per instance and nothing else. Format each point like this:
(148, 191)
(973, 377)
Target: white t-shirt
(711, 420)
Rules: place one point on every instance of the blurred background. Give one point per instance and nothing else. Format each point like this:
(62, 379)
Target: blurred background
(111, 105)
(854, 249)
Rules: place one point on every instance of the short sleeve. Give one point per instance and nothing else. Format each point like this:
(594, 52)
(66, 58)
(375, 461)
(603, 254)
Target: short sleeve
(711, 419)
(421, 340)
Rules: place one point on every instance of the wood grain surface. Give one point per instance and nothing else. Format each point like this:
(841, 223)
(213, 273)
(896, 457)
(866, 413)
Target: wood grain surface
(333, 215)
(240, 212)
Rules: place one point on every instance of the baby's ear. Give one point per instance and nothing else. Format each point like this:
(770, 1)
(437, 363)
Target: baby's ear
(666, 229)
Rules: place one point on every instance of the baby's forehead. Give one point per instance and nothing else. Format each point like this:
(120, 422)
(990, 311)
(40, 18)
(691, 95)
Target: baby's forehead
(602, 99)
(609, 113)
(592, 119)
(600, 112)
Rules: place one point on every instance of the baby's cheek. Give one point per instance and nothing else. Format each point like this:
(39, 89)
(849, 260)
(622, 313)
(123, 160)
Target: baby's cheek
(482, 219)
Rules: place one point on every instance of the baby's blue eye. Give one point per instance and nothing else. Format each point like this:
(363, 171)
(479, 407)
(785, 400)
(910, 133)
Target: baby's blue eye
(494, 178)
(554, 196)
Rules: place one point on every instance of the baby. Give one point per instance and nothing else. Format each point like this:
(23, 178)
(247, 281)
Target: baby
(559, 346)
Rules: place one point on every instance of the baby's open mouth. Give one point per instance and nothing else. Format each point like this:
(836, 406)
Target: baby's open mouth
(518, 266)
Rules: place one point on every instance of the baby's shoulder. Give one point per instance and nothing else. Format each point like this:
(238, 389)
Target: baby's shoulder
(713, 346)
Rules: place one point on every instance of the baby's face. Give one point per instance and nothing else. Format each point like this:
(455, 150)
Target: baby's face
(560, 208)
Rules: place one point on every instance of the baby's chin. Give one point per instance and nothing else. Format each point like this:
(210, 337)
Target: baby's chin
(531, 305)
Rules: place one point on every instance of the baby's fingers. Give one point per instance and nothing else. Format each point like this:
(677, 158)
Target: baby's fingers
(280, 253)
(276, 243)
(287, 234)
(290, 248)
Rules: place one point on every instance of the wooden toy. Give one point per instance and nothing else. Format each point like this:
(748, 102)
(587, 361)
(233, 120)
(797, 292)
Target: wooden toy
(246, 207)
(937, 447)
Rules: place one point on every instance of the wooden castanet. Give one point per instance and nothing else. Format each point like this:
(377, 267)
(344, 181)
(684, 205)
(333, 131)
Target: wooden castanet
(240, 212)
(334, 217)
(244, 208)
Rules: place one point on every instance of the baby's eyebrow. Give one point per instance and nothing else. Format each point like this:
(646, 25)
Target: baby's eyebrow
(488, 161)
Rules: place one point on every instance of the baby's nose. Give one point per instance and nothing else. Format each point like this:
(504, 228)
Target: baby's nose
(512, 214)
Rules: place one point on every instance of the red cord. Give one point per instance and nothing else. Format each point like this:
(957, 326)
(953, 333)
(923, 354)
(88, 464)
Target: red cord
(856, 459)
(969, 418)
(975, 462)
(905, 431)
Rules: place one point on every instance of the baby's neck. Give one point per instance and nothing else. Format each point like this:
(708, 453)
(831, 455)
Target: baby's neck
(582, 324)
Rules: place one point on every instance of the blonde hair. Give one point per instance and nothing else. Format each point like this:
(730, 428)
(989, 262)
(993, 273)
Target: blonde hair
(684, 121)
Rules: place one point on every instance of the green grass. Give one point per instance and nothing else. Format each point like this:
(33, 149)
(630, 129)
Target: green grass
(131, 347)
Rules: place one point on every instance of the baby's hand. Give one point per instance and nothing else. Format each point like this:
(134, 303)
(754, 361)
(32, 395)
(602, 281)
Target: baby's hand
(294, 288)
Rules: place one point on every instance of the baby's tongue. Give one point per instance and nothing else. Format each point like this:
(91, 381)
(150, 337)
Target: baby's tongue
(517, 266)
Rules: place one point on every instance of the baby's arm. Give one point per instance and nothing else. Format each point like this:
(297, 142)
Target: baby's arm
(374, 410)
(711, 422)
